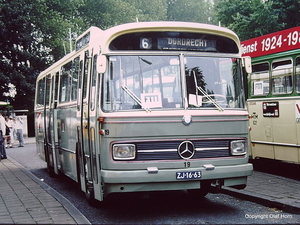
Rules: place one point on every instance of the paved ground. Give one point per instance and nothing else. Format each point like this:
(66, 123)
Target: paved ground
(270, 190)
(27, 200)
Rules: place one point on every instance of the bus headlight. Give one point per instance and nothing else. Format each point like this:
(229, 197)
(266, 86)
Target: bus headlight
(238, 147)
(123, 151)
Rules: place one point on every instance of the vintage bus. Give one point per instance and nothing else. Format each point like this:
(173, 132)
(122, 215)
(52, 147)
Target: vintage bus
(274, 95)
(147, 106)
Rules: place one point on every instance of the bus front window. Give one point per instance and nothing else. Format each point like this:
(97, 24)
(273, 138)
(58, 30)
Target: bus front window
(142, 82)
(154, 82)
(214, 82)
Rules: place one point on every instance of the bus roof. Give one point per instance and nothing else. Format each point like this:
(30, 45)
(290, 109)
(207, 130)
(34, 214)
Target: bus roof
(171, 26)
(118, 37)
(280, 41)
(94, 33)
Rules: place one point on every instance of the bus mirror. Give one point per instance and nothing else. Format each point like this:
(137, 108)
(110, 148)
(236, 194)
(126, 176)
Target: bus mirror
(101, 64)
(247, 64)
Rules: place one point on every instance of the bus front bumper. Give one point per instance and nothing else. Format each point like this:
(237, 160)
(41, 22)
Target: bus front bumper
(151, 179)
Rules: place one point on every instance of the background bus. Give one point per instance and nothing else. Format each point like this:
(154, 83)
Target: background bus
(146, 106)
(274, 95)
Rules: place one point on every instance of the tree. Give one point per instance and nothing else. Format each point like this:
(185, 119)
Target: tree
(107, 13)
(190, 11)
(32, 36)
(155, 10)
(288, 12)
(252, 18)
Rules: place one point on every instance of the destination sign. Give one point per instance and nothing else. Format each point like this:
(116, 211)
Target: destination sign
(174, 41)
(186, 44)
(82, 42)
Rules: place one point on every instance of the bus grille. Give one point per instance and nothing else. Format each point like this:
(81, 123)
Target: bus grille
(168, 150)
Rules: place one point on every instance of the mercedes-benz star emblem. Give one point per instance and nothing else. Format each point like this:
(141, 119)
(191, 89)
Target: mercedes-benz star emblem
(186, 119)
(186, 150)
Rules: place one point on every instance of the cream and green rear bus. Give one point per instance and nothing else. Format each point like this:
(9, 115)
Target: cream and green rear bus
(150, 106)
(274, 95)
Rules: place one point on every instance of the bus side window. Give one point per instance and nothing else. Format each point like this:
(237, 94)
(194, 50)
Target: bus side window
(65, 82)
(75, 75)
(85, 75)
(55, 97)
(298, 74)
(282, 82)
(40, 93)
(259, 79)
(93, 82)
(48, 90)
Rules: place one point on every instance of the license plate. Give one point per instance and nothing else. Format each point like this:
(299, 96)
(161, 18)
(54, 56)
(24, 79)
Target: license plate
(188, 175)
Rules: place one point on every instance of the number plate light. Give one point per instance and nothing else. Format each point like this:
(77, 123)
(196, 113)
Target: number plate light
(238, 147)
(123, 151)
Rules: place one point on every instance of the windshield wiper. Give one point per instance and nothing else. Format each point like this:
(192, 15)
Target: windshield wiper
(134, 97)
(206, 95)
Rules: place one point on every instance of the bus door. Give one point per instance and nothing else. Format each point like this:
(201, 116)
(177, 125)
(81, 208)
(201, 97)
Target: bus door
(51, 124)
(83, 156)
(95, 190)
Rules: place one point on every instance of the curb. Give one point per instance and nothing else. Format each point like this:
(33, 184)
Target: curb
(263, 200)
(71, 209)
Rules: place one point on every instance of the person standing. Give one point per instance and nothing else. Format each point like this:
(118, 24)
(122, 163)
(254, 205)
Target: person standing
(2, 140)
(8, 133)
(19, 128)
(12, 131)
(14, 122)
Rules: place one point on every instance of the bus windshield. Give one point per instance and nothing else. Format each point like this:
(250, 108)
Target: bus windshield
(156, 82)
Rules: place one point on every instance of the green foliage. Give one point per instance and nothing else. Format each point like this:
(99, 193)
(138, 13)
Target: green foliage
(108, 13)
(288, 12)
(155, 10)
(252, 18)
(31, 39)
(200, 11)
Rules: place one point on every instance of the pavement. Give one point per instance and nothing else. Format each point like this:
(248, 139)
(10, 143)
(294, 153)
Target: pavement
(270, 190)
(26, 199)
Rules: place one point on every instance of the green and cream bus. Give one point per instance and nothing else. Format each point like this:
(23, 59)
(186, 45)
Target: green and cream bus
(274, 95)
(149, 106)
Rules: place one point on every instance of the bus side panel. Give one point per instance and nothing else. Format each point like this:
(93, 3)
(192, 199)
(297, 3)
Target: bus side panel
(297, 121)
(67, 141)
(260, 131)
(284, 130)
(281, 131)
